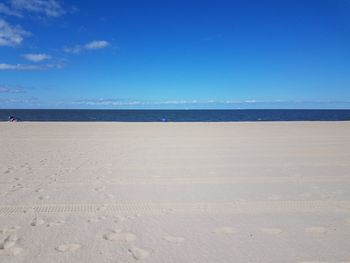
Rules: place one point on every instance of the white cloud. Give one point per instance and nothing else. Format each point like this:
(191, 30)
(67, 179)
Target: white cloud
(4, 9)
(109, 102)
(97, 44)
(11, 35)
(74, 50)
(180, 102)
(50, 8)
(19, 101)
(121, 102)
(36, 57)
(93, 45)
(225, 104)
(10, 89)
(24, 67)
(4, 66)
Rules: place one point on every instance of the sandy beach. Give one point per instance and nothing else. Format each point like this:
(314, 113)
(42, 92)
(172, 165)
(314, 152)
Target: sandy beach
(175, 192)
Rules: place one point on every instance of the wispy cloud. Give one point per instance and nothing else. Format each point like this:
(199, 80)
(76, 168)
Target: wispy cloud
(5, 66)
(73, 50)
(93, 45)
(8, 11)
(32, 101)
(108, 102)
(36, 57)
(97, 44)
(123, 102)
(11, 89)
(28, 67)
(48, 8)
(11, 35)
(249, 103)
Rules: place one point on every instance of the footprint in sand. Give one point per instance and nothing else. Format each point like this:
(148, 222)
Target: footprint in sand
(18, 187)
(28, 210)
(120, 237)
(316, 230)
(8, 246)
(102, 208)
(43, 197)
(68, 247)
(138, 253)
(37, 222)
(58, 223)
(98, 219)
(129, 217)
(274, 197)
(338, 192)
(108, 196)
(271, 230)
(169, 211)
(305, 195)
(9, 229)
(93, 220)
(225, 230)
(119, 219)
(8, 170)
(9, 242)
(132, 217)
(173, 239)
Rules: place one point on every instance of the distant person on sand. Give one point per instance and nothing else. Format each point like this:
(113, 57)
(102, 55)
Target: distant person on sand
(13, 119)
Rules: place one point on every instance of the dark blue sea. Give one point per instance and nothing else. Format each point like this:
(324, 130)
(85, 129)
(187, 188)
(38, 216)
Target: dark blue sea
(176, 115)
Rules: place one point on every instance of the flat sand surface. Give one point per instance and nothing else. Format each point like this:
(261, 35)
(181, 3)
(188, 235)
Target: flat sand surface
(175, 192)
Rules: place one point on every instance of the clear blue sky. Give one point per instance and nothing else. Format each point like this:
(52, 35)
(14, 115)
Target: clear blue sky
(175, 54)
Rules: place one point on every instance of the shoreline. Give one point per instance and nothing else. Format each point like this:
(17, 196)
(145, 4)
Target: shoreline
(180, 122)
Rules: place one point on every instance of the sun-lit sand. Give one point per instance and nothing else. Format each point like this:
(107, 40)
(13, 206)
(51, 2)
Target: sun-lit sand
(175, 192)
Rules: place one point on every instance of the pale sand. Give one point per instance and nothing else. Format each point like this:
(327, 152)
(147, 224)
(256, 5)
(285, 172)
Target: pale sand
(166, 192)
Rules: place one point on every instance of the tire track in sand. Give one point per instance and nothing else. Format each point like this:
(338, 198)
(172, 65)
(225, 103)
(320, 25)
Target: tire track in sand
(251, 207)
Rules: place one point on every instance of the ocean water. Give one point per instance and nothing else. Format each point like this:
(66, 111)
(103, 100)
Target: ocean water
(176, 115)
